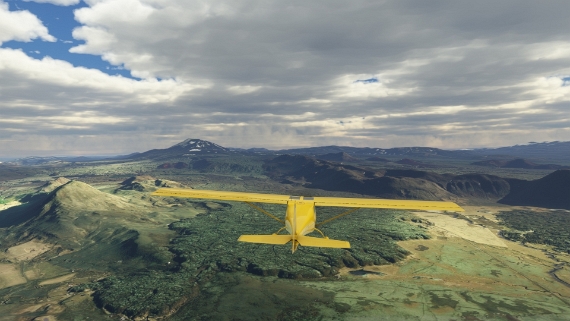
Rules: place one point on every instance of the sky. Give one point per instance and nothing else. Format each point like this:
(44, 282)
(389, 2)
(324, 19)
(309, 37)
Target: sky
(107, 77)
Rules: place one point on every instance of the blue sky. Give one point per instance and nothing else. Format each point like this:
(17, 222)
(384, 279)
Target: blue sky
(100, 77)
(60, 22)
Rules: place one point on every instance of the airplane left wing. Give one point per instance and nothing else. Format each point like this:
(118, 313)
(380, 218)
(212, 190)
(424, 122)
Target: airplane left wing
(387, 203)
(223, 195)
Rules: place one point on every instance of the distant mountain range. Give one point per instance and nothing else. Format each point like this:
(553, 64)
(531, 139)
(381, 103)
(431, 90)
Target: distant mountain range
(363, 152)
(402, 184)
(541, 151)
(551, 191)
(551, 151)
(517, 163)
(547, 151)
(327, 170)
(41, 160)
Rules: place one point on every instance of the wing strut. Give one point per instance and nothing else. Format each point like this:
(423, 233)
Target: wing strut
(265, 212)
(338, 216)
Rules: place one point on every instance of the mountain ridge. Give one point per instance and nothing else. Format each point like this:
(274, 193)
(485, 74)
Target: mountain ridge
(559, 151)
(398, 184)
(517, 163)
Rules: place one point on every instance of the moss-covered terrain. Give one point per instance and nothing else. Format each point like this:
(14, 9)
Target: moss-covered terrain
(551, 228)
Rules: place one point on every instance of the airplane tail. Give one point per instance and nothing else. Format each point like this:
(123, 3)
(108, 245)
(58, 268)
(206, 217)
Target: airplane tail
(300, 239)
(266, 239)
(322, 242)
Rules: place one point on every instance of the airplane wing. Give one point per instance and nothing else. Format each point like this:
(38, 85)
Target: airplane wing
(223, 195)
(319, 201)
(387, 203)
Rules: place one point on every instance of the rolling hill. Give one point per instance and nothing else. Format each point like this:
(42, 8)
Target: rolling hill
(551, 191)
(96, 227)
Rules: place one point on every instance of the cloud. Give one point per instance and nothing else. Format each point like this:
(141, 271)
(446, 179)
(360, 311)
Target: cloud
(57, 2)
(63, 75)
(21, 26)
(240, 90)
(248, 73)
(52, 98)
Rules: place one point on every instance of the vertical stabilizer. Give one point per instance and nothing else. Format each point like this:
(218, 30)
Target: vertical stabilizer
(294, 232)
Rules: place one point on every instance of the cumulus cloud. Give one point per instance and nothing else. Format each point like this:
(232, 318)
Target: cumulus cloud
(278, 74)
(63, 75)
(21, 26)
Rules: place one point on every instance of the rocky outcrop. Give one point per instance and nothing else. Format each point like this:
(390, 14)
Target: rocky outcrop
(146, 183)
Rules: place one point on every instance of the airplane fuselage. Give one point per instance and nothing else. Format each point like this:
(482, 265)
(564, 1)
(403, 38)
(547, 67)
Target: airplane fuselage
(300, 218)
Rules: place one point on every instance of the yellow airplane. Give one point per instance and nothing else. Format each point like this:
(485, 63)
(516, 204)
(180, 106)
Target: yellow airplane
(301, 217)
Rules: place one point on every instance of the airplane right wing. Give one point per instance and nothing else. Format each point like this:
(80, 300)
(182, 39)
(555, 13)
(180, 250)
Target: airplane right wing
(387, 203)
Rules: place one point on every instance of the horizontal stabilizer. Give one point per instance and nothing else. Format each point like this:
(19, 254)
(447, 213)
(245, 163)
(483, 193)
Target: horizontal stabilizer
(266, 239)
(320, 242)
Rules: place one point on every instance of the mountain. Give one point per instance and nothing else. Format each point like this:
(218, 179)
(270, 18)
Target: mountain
(517, 163)
(551, 191)
(189, 147)
(53, 185)
(547, 151)
(337, 157)
(326, 175)
(87, 228)
(73, 215)
(370, 152)
(559, 151)
(407, 184)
